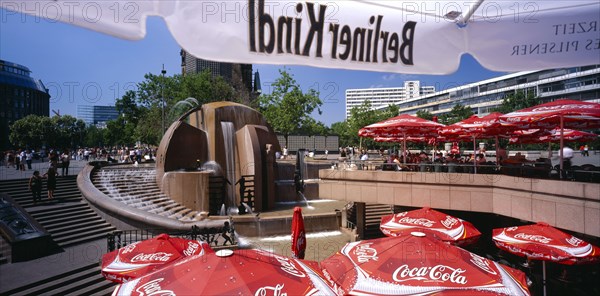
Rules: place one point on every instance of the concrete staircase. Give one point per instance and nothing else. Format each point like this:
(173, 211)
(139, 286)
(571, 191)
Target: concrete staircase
(81, 281)
(373, 214)
(68, 218)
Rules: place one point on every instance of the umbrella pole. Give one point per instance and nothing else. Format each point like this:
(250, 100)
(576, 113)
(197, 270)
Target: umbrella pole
(497, 161)
(474, 156)
(404, 148)
(544, 275)
(562, 173)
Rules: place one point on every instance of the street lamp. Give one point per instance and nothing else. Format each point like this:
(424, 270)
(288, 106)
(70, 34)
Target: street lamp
(162, 97)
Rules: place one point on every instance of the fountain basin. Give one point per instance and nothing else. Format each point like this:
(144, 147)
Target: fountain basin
(252, 226)
(124, 216)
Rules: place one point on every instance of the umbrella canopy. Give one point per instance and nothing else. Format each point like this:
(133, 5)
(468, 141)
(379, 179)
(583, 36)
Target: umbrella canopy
(401, 126)
(424, 37)
(543, 242)
(560, 113)
(417, 264)
(298, 234)
(227, 272)
(475, 127)
(552, 136)
(145, 256)
(573, 114)
(427, 220)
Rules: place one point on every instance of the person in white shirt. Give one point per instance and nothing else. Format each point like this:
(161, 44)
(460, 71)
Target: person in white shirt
(567, 154)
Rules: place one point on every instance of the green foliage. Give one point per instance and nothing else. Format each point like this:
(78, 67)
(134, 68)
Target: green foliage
(361, 116)
(35, 131)
(288, 109)
(425, 114)
(459, 112)
(93, 136)
(517, 101)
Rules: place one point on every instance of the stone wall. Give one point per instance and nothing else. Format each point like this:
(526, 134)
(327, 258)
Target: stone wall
(569, 205)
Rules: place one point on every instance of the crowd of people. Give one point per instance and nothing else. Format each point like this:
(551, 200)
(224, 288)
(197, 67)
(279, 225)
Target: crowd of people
(59, 162)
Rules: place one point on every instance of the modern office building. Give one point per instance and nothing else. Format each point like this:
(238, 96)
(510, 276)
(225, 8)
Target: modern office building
(97, 115)
(383, 97)
(238, 75)
(20, 95)
(577, 83)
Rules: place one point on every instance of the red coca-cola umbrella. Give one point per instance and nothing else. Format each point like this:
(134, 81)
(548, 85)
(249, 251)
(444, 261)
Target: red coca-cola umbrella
(298, 234)
(543, 242)
(560, 113)
(401, 126)
(227, 272)
(427, 220)
(145, 256)
(417, 264)
(552, 136)
(475, 127)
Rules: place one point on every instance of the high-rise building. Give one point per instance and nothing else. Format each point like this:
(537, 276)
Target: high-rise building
(97, 115)
(20, 95)
(383, 97)
(238, 75)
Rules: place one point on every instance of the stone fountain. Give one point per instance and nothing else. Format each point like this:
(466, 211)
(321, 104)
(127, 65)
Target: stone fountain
(234, 137)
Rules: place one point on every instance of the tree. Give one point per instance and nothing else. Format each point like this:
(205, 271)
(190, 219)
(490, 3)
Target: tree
(32, 131)
(93, 136)
(68, 131)
(425, 114)
(458, 113)
(287, 108)
(517, 101)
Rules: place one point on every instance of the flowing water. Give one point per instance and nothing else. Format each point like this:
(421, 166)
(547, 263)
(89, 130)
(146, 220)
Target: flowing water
(229, 145)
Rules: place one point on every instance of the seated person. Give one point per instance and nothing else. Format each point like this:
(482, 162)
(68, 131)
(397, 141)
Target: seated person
(480, 159)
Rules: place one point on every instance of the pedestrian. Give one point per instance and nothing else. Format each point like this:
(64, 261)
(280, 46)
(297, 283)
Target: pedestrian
(285, 152)
(586, 150)
(29, 158)
(567, 155)
(18, 160)
(23, 157)
(226, 230)
(65, 160)
(51, 183)
(35, 186)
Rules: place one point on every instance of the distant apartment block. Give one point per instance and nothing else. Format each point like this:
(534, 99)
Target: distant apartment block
(20, 95)
(382, 97)
(97, 115)
(576, 83)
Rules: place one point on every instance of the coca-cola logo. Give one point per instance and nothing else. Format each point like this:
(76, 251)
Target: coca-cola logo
(449, 222)
(365, 252)
(129, 248)
(289, 267)
(533, 237)
(159, 256)
(438, 273)
(562, 107)
(573, 241)
(191, 249)
(482, 263)
(268, 290)
(417, 221)
(152, 288)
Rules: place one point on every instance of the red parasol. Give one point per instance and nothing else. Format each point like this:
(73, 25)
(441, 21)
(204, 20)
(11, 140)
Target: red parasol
(298, 235)
(401, 126)
(417, 264)
(475, 127)
(561, 113)
(143, 257)
(543, 242)
(549, 136)
(443, 226)
(227, 272)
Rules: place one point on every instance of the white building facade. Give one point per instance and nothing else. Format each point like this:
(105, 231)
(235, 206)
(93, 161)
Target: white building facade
(383, 97)
(577, 83)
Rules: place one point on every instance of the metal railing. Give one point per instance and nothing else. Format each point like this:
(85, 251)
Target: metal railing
(213, 236)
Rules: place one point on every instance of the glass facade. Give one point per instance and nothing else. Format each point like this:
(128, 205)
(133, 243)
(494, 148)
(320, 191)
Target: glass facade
(577, 83)
(97, 115)
(20, 95)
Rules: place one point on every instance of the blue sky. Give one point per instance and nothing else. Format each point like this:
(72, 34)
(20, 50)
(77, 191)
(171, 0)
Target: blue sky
(84, 67)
